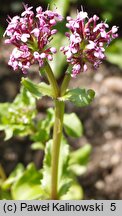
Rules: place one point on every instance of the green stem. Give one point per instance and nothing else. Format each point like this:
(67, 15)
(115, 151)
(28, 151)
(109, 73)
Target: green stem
(51, 79)
(2, 173)
(65, 84)
(57, 135)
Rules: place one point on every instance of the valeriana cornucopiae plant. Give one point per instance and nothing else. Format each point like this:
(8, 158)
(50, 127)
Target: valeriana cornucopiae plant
(31, 35)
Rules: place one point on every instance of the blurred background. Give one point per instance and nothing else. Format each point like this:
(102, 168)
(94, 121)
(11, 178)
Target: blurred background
(102, 121)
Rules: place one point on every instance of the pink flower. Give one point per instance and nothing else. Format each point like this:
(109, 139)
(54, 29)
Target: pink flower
(87, 41)
(31, 35)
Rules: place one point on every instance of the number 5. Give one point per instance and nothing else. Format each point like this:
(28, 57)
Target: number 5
(113, 207)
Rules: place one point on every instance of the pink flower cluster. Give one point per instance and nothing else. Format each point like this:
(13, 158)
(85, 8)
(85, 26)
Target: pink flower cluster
(31, 34)
(87, 41)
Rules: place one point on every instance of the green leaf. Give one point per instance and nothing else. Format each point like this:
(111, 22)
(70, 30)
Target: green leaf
(72, 125)
(31, 87)
(80, 97)
(37, 146)
(3, 109)
(38, 90)
(45, 89)
(8, 133)
(75, 193)
(5, 195)
(79, 159)
(16, 118)
(28, 186)
(64, 177)
(62, 6)
(78, 170)
(13, 177)
(44, 127)
(58, 41)
(46, 180)
(64, 188)
(114, 53)
(80, 156)
(25, 97)
(40, 135)
(68, 187)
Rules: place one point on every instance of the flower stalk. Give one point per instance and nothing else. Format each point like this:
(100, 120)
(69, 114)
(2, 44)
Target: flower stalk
(58, 126)
(65, 84)
(51, 79)
(57, 135)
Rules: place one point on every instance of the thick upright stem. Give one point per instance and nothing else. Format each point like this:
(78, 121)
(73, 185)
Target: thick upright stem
(57, 135)
(51, 79)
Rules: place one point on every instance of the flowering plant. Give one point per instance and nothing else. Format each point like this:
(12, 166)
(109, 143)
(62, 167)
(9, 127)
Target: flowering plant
(31, 35)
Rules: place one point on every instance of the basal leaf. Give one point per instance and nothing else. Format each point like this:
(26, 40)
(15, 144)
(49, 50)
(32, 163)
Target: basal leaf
(79, 159)
(44, 127)
(46, 172)
(75, 193)
(3, 109)
(80, 156)
(37, 146)
(16, 118)
(78, 170)
(8, 133)
(28, 186)
(64, 177)
(5, 195)
(13, 177)
(66, 184)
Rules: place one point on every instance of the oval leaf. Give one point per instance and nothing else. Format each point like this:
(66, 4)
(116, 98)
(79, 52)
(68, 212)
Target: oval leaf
(81, 155)
(75, 129)
(80, 97)
(38, 90)
(28, 186)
